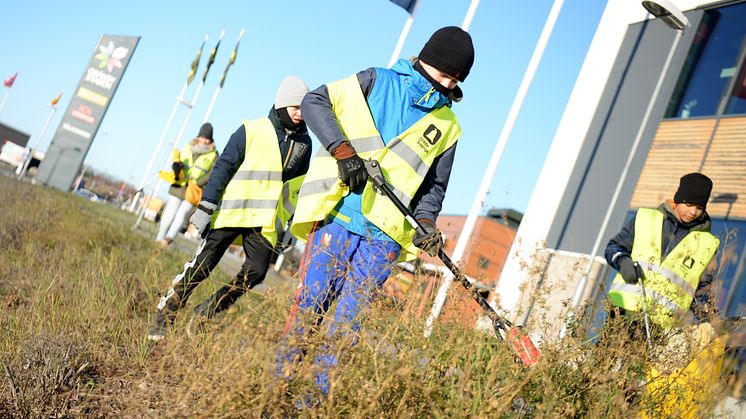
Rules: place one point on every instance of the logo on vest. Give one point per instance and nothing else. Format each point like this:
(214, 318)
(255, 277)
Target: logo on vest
(688, 262)
(431, 136)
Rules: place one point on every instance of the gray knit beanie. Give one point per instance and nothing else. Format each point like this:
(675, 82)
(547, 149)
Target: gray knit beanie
(290, 92)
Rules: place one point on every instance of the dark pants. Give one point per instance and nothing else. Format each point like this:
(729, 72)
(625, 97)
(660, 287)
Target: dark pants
(258, 254)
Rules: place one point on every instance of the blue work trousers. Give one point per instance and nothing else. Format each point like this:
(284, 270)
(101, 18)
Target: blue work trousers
(341, 266)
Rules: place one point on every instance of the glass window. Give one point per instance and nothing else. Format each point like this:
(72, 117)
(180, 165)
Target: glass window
(737, 102)
(711, 63)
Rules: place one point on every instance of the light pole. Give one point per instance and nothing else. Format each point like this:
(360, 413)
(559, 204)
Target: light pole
(675, 19)
(479, 199)
(21, 172)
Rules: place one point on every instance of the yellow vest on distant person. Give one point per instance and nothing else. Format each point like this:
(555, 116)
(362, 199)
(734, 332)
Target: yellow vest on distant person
(670, 284)
(192, 170)
(405, 161)
(256, 195)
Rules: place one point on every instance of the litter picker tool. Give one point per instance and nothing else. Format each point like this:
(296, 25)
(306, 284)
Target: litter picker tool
(520, 342)
(641, 279)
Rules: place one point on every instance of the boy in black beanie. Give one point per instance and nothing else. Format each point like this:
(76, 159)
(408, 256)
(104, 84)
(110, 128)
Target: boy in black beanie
(675, 253)
(401, 117)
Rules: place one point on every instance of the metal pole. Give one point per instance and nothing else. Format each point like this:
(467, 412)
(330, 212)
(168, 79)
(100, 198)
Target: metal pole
(179, 99)
(2, 105)
(403, 35)
(470, 15)
(153, 156)
(479, 199)
(220, 86)
(580, 289)
(176, 142)
(27, 160)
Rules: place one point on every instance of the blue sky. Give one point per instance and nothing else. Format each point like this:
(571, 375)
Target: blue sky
(49, 43)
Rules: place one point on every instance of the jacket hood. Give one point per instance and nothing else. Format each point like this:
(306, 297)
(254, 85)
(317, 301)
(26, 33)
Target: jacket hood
(703, 223)
(421, 88)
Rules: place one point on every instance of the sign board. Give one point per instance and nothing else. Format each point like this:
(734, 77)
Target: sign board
(91, 99)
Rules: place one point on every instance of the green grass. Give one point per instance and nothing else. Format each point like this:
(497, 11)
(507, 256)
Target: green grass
(78, 289)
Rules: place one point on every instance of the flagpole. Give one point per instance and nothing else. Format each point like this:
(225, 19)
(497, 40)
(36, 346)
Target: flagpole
(403, 35)
(154, 155)
(177, 141)
(220, 86)
(2, 105)
(470, 15)
(481, 196)
(27, 161)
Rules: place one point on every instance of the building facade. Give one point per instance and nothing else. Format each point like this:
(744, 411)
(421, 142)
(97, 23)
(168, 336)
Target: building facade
(650, 104)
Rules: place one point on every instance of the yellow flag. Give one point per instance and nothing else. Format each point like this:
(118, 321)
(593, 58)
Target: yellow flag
(195, 63)
(232, 59)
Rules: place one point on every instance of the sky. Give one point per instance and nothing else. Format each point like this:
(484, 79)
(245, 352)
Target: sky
(49, 44)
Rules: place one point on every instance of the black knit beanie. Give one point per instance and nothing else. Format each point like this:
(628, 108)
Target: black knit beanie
(450, 50)
(694, 188)
(206, 131)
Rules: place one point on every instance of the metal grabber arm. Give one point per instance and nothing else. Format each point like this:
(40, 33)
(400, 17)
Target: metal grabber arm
(504, 329)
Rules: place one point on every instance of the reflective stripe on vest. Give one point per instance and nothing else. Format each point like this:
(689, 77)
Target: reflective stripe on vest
(250, 199)
(669, 284)
(405, 161)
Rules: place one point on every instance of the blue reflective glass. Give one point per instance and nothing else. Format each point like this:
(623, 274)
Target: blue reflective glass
(711, 63)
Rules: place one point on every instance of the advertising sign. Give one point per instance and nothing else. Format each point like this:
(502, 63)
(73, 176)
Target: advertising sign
(86, 109)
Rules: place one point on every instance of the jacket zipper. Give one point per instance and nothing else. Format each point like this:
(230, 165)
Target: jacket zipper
(290, 151)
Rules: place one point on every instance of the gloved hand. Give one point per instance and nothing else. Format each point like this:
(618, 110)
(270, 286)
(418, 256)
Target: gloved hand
(178, 168)
(351, 167)
(202, 216)
(431, 241)
(627, 269)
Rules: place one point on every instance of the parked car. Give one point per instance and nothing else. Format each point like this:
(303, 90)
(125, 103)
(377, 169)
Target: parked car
(91, 196)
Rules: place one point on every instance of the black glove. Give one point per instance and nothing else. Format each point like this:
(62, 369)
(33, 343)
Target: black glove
(430, 241)
(177, 167)
(351, 167)
(627, 269)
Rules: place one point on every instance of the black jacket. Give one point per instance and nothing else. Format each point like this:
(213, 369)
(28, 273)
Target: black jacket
(673, 232)
(295, 149)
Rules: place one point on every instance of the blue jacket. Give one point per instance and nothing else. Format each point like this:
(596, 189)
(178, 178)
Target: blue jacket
(673, 232)
(397, 98)
(295, 149)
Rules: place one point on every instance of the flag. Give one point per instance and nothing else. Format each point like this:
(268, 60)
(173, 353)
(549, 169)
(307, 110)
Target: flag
(10, 80)
(232, 59)
(211, 60)
(195, 63)
(407, 5)
(56, 100)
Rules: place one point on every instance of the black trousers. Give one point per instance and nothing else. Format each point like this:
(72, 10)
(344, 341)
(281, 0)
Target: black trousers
(253, 271)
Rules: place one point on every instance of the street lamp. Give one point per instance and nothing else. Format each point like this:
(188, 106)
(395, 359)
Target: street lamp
(675, 19)
(667, 13)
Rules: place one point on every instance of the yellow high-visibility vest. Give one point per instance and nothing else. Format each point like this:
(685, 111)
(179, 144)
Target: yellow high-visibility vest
(256, 195)
(405, 161)
(670, 284)
(195, 169)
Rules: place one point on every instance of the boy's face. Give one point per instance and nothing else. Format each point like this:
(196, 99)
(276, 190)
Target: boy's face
(445, 80)
(687, 213)
(295, 114)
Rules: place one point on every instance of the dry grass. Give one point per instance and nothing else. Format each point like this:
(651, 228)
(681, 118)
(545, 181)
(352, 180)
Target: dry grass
(78, 289)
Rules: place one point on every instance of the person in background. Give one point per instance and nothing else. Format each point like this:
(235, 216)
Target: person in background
(401, 117)
(251, 194)
(194, 164)
(675, 251)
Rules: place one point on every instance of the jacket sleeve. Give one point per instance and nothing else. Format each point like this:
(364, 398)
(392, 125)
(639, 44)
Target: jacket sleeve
(428, 201)
(621, 244)
(226, 166)
(317, 111)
